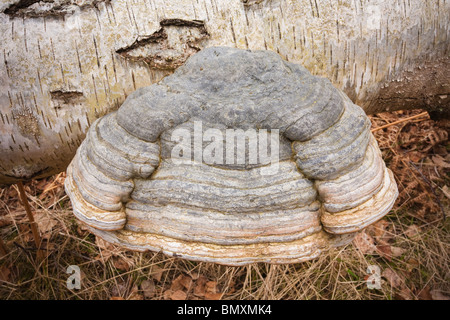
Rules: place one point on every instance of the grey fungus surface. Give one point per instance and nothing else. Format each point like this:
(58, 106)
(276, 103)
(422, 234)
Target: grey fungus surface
(330, 182)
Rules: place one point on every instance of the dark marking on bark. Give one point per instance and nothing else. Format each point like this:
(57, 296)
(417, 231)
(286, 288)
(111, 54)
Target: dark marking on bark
(232, 30)
(6, 63)
(45, 8)
(312, 9)
(87, 119)
(246, 18)
(53, 49)
(95, 88)
(182, 23)
(133, 80)
(62, 73)
(25, 36)
(317, 9)
(78, 57)
(26, 121)
(114, 66)
(39, 48)
(96, 52)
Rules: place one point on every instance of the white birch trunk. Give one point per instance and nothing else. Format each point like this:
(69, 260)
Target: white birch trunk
(64, 63)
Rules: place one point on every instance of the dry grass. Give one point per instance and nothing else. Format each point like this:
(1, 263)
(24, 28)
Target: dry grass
(410, 245)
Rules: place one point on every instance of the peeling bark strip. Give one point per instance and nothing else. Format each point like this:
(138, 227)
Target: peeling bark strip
(170, 46)
(19, 6)
(43, 8)
(66, 96)
(155, 37)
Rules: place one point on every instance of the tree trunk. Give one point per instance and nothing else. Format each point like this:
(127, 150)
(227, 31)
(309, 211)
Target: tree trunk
(65, 63)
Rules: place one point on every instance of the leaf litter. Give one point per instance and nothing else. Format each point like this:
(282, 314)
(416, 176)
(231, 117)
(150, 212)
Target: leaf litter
(411, 244)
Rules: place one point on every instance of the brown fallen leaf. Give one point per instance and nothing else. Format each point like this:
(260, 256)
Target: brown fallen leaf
(82, 230)
(5, 273)
(200, 286)
(156, 273)
(117, 298)
(121, 264)
(397, 252)
(5, 221)
(107, 250)
(385, 251)
(134, 294)
(382, 236)
(119, 289)
(364, 243)
(136, 297)
(213, 296)
(103, 245)
(231, 287)
(176, 283)
(186, 282)
(167, 294)
(212, 293)
(45, 223)
(412, 264)
(148, 288)
(404, 294)
(25, 231)
(412, 232)
(211, 287)
(425, 294)
(415, 156)
(438, 295)
(178, 295)
(392, 277)
(440, 161)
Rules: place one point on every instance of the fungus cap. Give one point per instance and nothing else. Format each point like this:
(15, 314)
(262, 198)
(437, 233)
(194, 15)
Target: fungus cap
(220, 204)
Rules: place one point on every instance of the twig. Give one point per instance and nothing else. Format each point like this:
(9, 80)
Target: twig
(34, 228)
(400, 121)
(26, 251)
(52, 185)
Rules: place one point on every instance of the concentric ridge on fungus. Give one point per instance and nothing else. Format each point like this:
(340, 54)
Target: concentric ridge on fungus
(331, 181)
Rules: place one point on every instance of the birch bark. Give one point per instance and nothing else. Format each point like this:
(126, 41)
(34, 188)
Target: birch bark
(64, 63)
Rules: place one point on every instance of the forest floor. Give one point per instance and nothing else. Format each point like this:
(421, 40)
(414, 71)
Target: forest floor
(408, 249)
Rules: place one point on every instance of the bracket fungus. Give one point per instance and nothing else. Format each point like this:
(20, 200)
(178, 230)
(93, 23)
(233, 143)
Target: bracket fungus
(164, 173)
